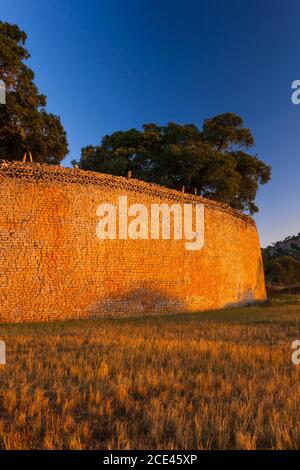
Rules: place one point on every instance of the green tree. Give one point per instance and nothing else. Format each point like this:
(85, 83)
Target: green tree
(24, 122)
(283, 270)
(213, 160)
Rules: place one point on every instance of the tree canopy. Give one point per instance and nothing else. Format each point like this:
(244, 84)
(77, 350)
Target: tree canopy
(213, 160)
(24, 122)
(284, 270)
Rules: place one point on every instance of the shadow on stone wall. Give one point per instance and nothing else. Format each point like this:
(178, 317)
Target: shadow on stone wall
(249, 296)
(245, 298)
(137, 302)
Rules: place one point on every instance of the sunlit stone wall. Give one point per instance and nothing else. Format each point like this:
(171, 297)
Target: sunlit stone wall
(53, 266)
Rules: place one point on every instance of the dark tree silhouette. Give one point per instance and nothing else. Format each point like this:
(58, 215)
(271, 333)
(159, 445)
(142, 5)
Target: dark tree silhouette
(214, 160)
(24, 122)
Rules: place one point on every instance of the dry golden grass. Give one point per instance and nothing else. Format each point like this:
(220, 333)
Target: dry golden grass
(218, 380)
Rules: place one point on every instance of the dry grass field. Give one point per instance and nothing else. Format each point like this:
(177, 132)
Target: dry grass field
(216, 380)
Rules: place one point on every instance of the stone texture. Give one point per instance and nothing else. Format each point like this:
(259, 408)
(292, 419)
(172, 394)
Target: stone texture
(53, 266)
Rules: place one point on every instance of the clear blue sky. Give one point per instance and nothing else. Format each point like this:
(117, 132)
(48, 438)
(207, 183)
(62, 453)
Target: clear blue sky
(115, 64)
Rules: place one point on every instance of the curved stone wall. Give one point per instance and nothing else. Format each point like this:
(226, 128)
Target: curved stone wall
(53, 266)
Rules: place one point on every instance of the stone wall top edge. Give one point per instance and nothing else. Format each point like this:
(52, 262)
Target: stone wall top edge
(55, 173)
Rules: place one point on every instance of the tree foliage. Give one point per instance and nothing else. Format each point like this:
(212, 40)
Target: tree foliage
(214, 160)
(284, 270)
(24, 122)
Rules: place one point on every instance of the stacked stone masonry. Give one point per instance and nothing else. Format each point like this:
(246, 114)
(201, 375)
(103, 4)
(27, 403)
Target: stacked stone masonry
(53, 266)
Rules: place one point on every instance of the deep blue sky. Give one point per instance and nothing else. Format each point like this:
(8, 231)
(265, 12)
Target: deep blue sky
(115, 64)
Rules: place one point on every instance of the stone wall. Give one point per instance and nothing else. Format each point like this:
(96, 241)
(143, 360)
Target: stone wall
(53, 266)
